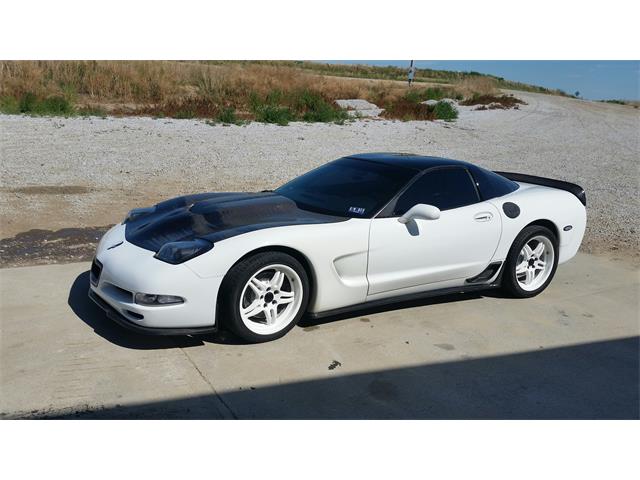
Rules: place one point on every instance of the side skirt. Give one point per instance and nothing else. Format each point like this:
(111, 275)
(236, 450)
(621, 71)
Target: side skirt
(405, 298)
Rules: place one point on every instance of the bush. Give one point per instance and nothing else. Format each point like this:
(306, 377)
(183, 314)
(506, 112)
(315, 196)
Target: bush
(403, 109)
(184, 114)
(28, 102)
(274, 114)
(92, 111)
(54, 106)
(445, 111)
(314, 108)
(507, 101)
(9, 104)
(227, 115)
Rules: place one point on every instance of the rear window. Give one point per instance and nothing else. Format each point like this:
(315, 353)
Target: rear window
(491, 185)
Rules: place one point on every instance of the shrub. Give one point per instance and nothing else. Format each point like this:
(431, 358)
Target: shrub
(274, 114)
(507, 101)
(9, 104)
(404, 109)
(227, 115)
(315, 108)
(184, 114)
(28, 102)
(54, 106)
(92, 111)
(445, 111)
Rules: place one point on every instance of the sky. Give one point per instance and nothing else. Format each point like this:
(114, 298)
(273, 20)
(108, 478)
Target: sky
(594, 79)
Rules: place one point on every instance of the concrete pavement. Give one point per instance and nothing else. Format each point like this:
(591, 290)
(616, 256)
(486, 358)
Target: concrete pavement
(571, 352)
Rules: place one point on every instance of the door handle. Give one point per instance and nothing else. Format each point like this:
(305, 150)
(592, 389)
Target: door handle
(483, 216)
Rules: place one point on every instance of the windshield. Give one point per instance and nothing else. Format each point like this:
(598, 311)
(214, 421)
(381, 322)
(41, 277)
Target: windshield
(347, 187)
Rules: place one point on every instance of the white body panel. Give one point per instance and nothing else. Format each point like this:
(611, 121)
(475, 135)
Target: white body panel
(543, 203)
(336, 252)
(423, 252)
(435, 254)
(134, 269)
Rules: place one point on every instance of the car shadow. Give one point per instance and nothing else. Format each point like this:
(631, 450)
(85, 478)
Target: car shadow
(308, 321)
(96, 318)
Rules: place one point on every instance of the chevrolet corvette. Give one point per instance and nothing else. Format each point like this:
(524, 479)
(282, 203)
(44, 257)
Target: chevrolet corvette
(361, 231)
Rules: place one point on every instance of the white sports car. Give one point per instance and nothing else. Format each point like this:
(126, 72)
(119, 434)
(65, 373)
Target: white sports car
(360, 231)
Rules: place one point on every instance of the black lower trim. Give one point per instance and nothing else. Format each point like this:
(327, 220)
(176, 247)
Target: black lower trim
(405, 298)
(487, 274)
(577, 190)
(118, 318)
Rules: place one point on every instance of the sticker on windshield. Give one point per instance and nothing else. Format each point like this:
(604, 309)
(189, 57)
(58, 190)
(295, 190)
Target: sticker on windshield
(358, 210)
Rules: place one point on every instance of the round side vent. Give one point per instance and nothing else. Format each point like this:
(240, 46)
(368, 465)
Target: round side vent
(510, 209)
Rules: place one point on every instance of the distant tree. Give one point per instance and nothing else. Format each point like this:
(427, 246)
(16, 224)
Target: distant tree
(577, 94)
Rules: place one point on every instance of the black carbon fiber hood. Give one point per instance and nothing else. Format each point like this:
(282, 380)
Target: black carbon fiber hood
(215, 217)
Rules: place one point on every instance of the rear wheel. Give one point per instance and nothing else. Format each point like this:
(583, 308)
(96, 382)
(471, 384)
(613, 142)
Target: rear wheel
(531, 262)
(264, 296)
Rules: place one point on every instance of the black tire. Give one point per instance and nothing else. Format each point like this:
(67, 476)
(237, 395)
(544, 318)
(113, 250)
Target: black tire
(509, 281)
(233, 286)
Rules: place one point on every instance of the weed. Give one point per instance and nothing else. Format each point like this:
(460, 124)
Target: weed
(91, 111)
(274, 114)
(280, 91)
(405, 110)
(28, 103)
(445, 111)
(9, 104)
(54, 106)
(507, 101)
(228, 115)
(315, 108)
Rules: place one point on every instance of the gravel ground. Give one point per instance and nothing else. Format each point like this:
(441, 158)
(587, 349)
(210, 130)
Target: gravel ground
(62, 173)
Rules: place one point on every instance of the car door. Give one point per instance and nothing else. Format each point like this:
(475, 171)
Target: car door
(425, 253)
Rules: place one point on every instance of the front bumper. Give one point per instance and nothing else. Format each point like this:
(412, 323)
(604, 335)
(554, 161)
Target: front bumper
(121, 270)
(121, 320)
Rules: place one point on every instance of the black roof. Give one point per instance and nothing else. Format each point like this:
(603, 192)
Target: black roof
(407, 160)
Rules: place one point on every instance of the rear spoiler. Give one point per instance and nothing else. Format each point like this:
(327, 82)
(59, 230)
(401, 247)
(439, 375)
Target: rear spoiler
(577, 190)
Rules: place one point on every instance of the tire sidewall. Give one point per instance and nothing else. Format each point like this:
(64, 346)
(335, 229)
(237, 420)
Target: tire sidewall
(234, 284)
(510, 280)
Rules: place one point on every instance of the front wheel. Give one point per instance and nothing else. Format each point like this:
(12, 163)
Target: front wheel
(531, 262)
(264, 296)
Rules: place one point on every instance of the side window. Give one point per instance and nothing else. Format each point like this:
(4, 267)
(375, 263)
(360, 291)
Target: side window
(445, 188)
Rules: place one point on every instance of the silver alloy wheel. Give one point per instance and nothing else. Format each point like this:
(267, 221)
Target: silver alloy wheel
(271, 298)
(535, 263)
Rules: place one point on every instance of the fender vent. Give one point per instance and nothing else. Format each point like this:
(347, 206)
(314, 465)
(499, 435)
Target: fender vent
(486, 275)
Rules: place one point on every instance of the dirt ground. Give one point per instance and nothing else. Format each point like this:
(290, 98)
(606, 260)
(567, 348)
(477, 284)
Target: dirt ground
(64, 180)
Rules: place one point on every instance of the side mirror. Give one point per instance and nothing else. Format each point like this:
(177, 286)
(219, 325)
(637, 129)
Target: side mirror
(422, 212)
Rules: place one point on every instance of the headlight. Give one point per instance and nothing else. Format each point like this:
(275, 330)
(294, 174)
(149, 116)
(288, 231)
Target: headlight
(137, 212)
(178, 252)
(150, 299)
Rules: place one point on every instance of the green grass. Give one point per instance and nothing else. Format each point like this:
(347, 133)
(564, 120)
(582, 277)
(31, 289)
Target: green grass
(228, 115)
(9, 104)
(30, 104)
(274, 114)
(91, 111)
(313, 107)
(445, 111)
(299, 105)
